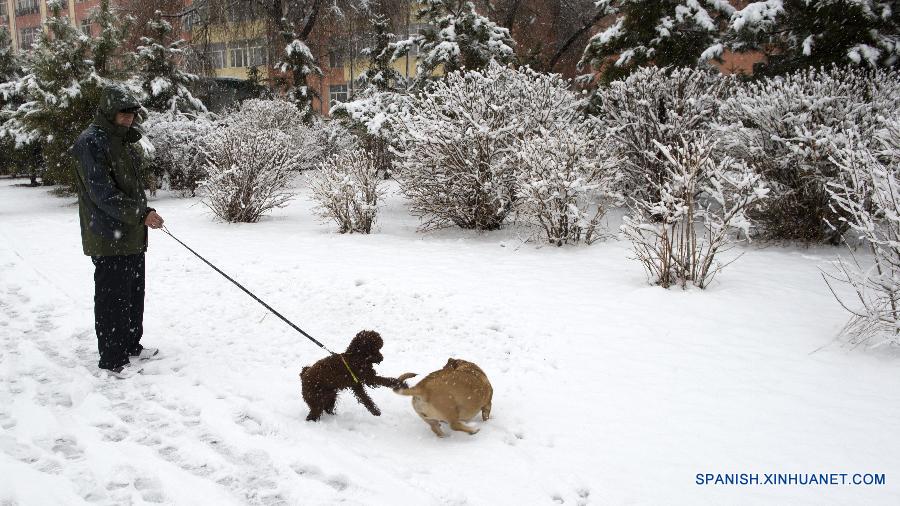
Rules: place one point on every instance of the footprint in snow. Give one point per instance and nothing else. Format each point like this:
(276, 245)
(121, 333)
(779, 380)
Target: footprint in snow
(338, 482)
(68, 448)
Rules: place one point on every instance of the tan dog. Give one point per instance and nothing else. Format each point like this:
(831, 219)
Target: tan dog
(453, 394)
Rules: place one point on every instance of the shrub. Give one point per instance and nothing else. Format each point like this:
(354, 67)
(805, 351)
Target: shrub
(249, 173)
(346, 187)
(701, 210)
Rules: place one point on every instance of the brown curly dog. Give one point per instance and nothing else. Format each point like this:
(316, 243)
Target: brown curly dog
(323, 380)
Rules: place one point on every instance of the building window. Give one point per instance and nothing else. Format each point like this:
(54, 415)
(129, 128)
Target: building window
(336, 59)
(217, 56)
(25, 7)
(337, 93)
(258, 54)
(414, 30)
(238, 56)
(28, 36)
(190, 20)
(86, 27)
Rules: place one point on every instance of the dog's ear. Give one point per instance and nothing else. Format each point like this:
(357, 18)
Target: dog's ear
(452, 363)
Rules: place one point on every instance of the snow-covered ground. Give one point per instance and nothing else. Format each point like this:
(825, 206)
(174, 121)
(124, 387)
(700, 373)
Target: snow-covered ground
(607, 390)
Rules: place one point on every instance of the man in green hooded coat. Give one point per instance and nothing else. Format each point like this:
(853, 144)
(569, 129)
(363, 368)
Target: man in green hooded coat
(114, 218)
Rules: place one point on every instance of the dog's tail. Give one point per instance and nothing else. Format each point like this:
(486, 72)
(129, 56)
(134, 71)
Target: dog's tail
(406, 391)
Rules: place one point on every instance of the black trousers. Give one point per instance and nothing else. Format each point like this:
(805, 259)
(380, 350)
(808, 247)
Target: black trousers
(118, 307)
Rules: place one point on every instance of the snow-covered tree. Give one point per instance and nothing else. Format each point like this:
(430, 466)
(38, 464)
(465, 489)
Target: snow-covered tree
(701, 210)
(869, 196)
(677, 33)
(299, 62)
(346, 188)
(788, 127)
(455, 37)
(113, 29)
(60, 91)
(366, 114)
(796, 34)
(566, 181)
(380, 75)
(160, 77)
(248, 173)
(656, 104)
(9, 72)
(10, 67)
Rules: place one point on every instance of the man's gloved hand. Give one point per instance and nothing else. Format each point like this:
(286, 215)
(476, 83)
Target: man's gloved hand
(154, 220)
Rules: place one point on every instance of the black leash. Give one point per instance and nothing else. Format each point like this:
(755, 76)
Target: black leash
(257, 299)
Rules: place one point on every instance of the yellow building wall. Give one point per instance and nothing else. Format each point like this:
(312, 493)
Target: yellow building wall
(231, 33)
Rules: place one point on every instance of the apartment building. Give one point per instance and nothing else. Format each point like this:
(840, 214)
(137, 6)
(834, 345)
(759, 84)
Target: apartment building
(25, 18)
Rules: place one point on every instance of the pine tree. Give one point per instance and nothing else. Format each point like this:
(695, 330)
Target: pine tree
(9, 63)
(61, 91)
(112, 34)
(456, 37)
(163, 82)
(10, 68)
(299, 62)
(677, 33)
(796, 34)
(380, 75)
(379, 85)
(9, 73)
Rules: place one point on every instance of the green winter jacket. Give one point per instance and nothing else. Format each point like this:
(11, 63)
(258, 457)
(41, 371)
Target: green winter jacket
(111, 200)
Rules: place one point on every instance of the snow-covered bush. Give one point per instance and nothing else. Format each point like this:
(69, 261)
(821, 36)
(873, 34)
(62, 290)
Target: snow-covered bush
(701, 210)
(248, 173)
(789, 127)
(179, 159)
(656, 104)
(869, 198)
(456, 142)
(346, 188)
(313, 140)
(455, 148)
(565, 182)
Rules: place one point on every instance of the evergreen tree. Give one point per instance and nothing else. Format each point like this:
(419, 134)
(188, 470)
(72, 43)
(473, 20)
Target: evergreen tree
(456, 37)
(795, 34)
(378, 94)
(9, 63)
(9, 74)
(380, 75)
(299, 62)
(61, 92)
(159, 76)
(112, 33)
(664, 33)
(10, 69)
